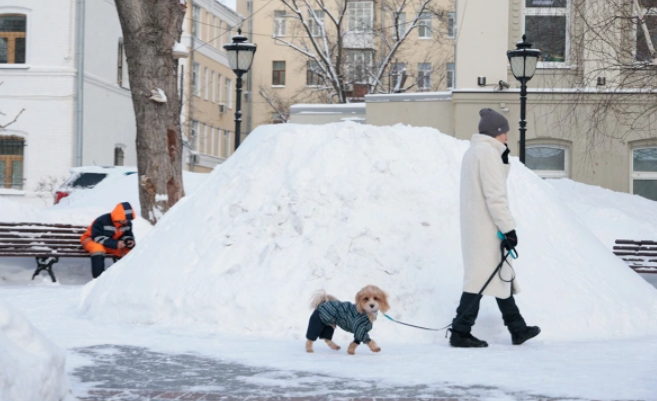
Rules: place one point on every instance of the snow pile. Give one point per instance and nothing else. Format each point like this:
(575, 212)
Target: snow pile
(335, 207)
(610, 215)
(32, 366)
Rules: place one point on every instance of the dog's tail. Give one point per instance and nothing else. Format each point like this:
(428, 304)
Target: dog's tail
(319, 297)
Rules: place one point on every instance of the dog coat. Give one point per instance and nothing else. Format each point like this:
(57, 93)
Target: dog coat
(346, 316)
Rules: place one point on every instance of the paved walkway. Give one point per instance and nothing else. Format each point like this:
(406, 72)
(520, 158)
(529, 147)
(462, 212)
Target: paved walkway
(128, 373)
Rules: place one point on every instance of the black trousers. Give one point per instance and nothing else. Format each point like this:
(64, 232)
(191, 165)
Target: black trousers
(467, 314)
(317, 328)
(97, 265)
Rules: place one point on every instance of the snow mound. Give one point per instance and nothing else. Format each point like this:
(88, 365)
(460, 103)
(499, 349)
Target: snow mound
(32, 366)
(610, 215)
(339, 206)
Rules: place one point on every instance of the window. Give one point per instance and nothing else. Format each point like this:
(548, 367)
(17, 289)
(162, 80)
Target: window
(203, 138)
(226, 34)
(546, 23)
(450, 76)
(229, 93)
(218, 92)
(11, 162)
(195, 86)
(315, 27)
(221, 34)
(278, 74)
(547, 161)
(400, 25)
(205, 82)
(313, 77)
(12, 38)
(196, 22)
(359, 16)
(215, 142)
(119, 157)
(193, 134)
(648, 10)
(424, 76)
(214, 31)
(451, 25)
(397, 76)
(211, 87)
(644, 172)
(424, 26)
(279, 24)
(359, 63)
(226, 144)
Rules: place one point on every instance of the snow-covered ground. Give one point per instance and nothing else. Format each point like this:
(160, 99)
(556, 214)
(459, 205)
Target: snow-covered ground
(214, 299)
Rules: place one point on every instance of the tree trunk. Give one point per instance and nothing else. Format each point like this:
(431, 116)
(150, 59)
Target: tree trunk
(150, 30)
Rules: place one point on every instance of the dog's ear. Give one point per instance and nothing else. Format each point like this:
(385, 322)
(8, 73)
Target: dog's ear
(359, 299)
(383, 302)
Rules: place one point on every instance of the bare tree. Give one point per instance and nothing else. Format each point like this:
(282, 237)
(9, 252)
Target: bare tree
(150, 30)
(339, 46)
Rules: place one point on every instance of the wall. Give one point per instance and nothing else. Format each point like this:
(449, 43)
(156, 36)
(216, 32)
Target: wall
(483, 32)
(431, 109)
(109, 118)
(560, 118)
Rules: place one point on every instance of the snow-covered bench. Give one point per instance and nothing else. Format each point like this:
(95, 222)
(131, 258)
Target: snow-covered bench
(639, 255)
(45, 242)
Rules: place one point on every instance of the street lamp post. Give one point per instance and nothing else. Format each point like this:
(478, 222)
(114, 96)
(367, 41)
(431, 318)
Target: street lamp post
(523, 62)
(240, 57)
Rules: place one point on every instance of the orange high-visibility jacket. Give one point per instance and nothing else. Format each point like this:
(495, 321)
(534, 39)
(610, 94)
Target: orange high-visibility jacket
(106, 232)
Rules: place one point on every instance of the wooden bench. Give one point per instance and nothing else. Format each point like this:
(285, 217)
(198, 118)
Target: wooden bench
(45, 242)
(639, 255)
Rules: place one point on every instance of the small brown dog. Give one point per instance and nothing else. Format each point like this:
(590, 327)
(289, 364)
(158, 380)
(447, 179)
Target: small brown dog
(354, 318)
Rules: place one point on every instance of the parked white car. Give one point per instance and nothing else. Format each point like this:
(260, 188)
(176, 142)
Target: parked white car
(88, 177)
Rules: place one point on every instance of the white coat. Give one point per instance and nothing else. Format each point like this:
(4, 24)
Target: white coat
(484, 212)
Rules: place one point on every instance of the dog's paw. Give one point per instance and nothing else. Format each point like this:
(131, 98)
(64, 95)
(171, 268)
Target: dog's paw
(309, 346)
(332, 345)
(373, 346)
(352, 348)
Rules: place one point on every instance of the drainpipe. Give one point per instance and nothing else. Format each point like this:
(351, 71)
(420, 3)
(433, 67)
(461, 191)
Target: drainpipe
(249, 75)
(191, 89)
(79, 84)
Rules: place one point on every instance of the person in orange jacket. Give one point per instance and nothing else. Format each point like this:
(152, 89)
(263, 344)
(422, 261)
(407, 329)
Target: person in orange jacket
(109, 234)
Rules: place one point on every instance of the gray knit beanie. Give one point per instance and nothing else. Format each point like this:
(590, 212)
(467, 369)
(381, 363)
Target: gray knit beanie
(492, 123)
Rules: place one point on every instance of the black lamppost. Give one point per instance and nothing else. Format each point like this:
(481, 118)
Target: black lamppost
(523, 62)
(240, 56)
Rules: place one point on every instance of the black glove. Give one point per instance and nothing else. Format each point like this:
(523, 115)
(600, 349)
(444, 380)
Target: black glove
(505, 155)
(511, 240)
(129, 243)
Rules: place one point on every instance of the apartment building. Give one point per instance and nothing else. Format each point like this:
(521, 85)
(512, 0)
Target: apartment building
(281, 75)
(208, 85)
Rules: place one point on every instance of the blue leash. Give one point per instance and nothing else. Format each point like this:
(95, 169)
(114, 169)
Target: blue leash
(512, 253)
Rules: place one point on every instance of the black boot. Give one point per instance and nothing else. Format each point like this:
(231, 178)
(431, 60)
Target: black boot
(465, 340)
(520, 336)
(97, 265)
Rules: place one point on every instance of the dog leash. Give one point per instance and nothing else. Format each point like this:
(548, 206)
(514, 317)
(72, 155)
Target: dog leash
(499, 266)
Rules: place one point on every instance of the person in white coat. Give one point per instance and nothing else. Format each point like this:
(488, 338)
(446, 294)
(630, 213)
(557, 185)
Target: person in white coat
(485, 212)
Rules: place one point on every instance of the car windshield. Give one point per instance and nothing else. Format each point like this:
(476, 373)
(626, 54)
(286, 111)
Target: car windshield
(88, 180)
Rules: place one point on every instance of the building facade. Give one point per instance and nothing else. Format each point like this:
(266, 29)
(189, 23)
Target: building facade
(208, 85)
(591, 109)
(283, 74)
(39, 65)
